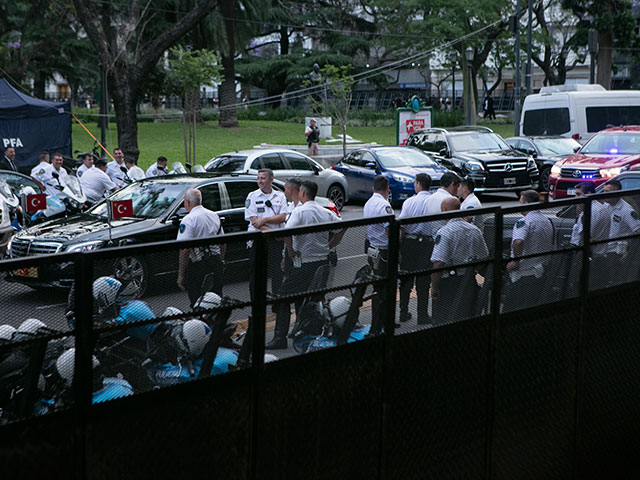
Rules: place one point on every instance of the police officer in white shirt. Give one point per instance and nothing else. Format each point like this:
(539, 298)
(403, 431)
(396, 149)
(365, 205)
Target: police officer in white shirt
(600, 228)
(40, 168)
(625, 221)
(95, 182)
(455, 292)
(266, 209)
(377, 245)
(199, 262)
(159, 168)
(309, 252)
(531, 235)
(134, 171)
(54, 176)
(292, 193)
(87, 163)
(416, 246)
(466, 192)
(115, 168)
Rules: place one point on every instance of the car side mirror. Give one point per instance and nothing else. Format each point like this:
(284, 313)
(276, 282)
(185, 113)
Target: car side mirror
(575, 149)
(177, 217)
(444, 153)
(123, 169)
(55, 175)
(371, 165)
(533, 153)
(187, 165)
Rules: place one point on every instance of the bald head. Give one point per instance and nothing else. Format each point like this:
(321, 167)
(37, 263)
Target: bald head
(449, 204)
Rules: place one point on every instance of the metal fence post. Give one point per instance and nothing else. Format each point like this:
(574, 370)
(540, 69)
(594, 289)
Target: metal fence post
(389, 326)
(584, 293)
(83, 375)
(494, 319)
(258, 321)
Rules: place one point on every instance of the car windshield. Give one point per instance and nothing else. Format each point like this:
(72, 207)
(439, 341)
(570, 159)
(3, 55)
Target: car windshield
(17, 182)
(150, 199)
(477, 142)
(616, 143)
(228, 163)
(404, 157)
(556, 146)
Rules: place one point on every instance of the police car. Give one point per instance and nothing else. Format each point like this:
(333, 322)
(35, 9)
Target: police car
(157, 211)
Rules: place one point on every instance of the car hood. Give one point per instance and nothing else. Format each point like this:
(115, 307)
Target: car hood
(581, 160)
(85, 227)
(434, 172)
(488, 157)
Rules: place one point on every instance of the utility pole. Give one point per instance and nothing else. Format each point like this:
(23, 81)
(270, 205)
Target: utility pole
(104, 110)
(593, 51)
(454, 58)
(516, 106)
(529, 26)
(469, 101)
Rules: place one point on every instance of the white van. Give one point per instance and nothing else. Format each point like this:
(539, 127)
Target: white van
(578, 111)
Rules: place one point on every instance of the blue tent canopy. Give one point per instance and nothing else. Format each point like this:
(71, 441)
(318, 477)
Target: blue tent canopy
(31, 125)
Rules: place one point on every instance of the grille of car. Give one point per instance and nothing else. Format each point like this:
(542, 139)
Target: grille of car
(22, 247)
(580, 173)
(507, 167)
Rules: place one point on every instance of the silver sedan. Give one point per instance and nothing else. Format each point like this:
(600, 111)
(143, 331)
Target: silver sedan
(285, 164)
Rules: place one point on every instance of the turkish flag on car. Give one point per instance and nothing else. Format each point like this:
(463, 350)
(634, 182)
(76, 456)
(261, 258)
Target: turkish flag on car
(36, 202)
(122, 208)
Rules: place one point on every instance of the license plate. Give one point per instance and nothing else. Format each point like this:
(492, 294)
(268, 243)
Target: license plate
(509, 181)
(31, 272)
(571, 192)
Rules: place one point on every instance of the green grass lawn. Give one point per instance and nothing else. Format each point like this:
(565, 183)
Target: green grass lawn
(155, 139)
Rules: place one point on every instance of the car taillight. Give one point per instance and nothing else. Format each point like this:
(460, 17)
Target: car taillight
(332, 206)
(576, 136)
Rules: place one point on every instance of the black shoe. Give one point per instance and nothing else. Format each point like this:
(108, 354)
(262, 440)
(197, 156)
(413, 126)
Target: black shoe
(397, 325)
(425, 321)
(277, 344)
(405, 316)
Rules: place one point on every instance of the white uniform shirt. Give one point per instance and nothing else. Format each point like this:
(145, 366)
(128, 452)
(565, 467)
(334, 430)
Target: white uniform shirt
(115, 174)
(459, 242)
(536, 231)
(200, 222)
(434, 206)
(81, 169)
(95, 183)
(470, 202)
(624, 221)
(312, 247)
(50, 182)
(416, 206)
(39, 170)
(600, 227)
(256, 206)
(377, 206)
(136, 173)
(290, 208)
(155, 171)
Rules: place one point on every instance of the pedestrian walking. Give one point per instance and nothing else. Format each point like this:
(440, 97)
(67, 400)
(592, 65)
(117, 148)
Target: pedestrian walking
(312, 132)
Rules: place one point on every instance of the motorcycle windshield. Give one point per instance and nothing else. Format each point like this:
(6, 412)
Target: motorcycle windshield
(178, 168)
(74, 185)
(7, 194)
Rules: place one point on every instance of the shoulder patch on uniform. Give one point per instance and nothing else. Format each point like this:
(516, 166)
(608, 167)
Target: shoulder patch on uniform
(247, 203)
(389, 210)
(634, 214)
(41, 171)
(182, 227)
(520, 223)
(437, 239)
(470, 206)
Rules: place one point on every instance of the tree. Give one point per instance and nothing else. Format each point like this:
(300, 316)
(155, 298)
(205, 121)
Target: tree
(130, 39)
(615, 24)
(335, 101)
(191, 69)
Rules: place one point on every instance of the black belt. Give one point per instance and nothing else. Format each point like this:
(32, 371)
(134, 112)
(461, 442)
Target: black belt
(419, 238)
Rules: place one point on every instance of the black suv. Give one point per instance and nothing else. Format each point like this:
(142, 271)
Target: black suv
(481, 154)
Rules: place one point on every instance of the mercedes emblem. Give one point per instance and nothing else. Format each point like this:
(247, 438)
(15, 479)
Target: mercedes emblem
(508, 167)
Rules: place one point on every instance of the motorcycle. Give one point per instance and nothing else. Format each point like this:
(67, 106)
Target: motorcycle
(68, 201)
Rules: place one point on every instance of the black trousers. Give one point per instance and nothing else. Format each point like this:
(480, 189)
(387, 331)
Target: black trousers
(378, 302)
(459, 295)
(299, 280)
(197, 271)
(416, 255)
(526, 292)
(274, 271)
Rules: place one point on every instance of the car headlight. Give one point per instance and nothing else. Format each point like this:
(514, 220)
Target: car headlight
(555, 171)
(474, 166)
(402, 178)
(612, 172)
(85, 246)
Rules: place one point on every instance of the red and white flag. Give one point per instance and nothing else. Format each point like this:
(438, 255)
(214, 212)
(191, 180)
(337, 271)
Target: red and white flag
(36, 202)
(122, 208)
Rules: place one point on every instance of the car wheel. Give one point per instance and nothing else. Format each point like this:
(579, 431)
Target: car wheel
(544, 180)
(336, 195)
(134, 275)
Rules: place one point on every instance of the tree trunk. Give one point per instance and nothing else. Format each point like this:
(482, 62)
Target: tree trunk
(228, 116)
(603, 74)
(124, 97)
(38, 85)
(193, 104)
(284, 40)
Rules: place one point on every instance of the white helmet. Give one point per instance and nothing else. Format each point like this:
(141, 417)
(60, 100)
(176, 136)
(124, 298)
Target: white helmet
(270, 357)
(65, 365)
(31, 325)
(338, 308)
(208, 300)
(171, 311)
(105, 292)
(195, 335)
(6, 333)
